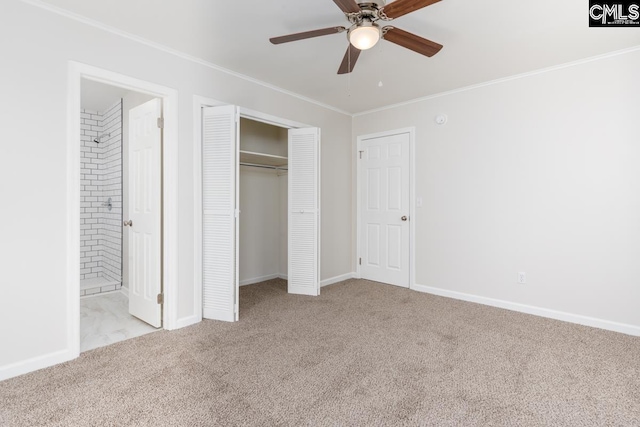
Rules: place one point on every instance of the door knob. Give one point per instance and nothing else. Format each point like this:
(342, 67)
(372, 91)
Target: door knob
(404, 218)
(128, 223)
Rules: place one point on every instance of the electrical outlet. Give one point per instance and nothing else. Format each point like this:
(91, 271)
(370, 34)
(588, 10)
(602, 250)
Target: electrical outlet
(522, 277)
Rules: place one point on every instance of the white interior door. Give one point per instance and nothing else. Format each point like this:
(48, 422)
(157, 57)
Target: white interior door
(384, 207)
(145, 210)
(220, 182)
(304, 211)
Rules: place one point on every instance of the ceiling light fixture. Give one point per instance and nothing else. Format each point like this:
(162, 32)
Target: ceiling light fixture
(364, 36)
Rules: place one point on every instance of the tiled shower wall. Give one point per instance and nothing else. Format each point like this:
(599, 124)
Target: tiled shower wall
(101, 229)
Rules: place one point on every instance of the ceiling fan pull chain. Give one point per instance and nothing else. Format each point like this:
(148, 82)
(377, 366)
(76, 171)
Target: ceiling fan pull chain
(380, 52)
(349, 74)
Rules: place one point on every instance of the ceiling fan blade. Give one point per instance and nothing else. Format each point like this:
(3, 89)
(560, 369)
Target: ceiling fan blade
(349, 60)
(411, 41)
(306, 35)
(402, 7)
(347, 6)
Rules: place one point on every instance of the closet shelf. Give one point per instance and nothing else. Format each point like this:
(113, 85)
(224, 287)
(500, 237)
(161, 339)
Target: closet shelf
(262, 159)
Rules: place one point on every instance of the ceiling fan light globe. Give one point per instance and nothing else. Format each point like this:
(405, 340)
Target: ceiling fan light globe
(364, 37)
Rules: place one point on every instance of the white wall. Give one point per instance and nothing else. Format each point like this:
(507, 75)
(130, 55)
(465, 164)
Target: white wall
(538, 174)
(33, 309)
(263, 138)
(259, 224)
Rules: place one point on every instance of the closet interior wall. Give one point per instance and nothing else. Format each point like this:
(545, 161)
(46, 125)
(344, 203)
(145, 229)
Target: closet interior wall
(263, 206)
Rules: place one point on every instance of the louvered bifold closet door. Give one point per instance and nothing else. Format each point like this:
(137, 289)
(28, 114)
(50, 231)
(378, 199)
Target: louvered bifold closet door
(219, 216)
(304, 212)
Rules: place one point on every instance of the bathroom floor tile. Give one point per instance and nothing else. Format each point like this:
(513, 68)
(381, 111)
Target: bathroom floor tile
(105, 319)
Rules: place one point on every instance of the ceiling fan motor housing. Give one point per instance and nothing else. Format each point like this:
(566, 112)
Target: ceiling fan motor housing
(369, 12)
(375, 3)
(365, 30)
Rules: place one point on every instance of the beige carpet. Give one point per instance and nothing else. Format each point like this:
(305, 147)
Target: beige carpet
(360, 354)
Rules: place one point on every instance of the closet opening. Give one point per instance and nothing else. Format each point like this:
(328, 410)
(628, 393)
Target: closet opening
(263, 204)
(259, 221)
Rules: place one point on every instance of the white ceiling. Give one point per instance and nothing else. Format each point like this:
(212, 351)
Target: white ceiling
(98, 96)
(483, 41)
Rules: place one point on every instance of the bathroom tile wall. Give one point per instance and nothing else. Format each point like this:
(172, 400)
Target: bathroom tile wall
(90, 199)
(111, 186)
(100, 228)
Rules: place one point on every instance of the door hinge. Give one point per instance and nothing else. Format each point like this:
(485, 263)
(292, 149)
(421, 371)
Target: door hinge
(360, 261)
(160, 298)
(161, 122)
(361, 151)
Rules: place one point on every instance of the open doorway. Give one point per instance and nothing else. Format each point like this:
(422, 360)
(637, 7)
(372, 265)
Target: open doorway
(120, 214)
(169, 205)
(263, 202)
(222, 154)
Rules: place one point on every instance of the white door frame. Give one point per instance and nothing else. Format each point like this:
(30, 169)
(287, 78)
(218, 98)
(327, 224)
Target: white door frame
(200, 102)
(77, 72)
(412, 198)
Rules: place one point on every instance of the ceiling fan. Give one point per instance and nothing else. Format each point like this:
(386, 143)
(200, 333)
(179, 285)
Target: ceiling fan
(364, 31)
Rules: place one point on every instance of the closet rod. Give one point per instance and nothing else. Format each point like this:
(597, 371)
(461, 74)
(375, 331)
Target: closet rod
(254, 165)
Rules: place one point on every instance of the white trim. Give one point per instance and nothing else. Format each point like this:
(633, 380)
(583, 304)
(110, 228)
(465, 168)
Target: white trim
(412, 207)
(101, 294)
(77, 72)
(170, 203)
(125, 291)
(99, 25)
(537, 311)
(73, 212)
(412, 197)
(257, 116)
(189, 320)
(337, 279)
(255, 280)
(501, 80)
(36, 363)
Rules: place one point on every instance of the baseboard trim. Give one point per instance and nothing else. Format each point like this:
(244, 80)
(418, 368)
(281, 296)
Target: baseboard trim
(187, 321)
(125, 291)
(337, 279)
(35, 364)
(537, 311)
(255, 280)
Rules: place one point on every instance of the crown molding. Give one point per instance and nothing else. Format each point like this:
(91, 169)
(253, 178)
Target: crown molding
(502, 80)
(99, 25)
